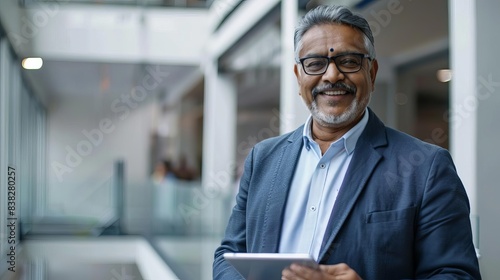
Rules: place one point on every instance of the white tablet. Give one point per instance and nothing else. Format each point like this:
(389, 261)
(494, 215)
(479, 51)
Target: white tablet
(266, 266)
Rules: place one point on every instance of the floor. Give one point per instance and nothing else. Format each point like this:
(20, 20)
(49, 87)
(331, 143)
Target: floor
(194, 255)
(99, 258)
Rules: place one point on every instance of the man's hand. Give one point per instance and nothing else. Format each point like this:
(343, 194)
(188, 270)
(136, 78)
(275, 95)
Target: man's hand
(325, 272)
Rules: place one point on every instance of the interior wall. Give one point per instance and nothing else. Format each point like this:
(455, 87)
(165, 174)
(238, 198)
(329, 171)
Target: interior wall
(422, 101)
(487, 103)
(401, 37)
(378, 101)
(85, 138)
(398, 26)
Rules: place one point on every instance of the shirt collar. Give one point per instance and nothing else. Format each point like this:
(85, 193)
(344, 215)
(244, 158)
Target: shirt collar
(350, 138)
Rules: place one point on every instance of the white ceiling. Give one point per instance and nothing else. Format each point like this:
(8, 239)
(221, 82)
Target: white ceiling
(61, 79)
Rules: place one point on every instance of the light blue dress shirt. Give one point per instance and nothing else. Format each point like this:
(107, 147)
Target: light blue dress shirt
(315, 185)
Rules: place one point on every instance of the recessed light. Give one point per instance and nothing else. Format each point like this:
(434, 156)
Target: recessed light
(444, 75)
(32, 63)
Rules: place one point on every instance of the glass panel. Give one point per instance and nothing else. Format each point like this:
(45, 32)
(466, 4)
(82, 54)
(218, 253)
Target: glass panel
(39, 192)
(13, 142)
(22, 148)
(3, 152)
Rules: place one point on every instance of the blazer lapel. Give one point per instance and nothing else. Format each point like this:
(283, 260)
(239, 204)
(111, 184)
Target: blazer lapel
(278, 191)
(362, 165)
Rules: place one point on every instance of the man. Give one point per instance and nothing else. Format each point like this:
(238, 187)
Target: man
(366, 201)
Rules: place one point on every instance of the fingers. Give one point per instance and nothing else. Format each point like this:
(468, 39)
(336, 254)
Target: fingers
(340, 271)
(335, 268)
(298, 272)
(325, 272)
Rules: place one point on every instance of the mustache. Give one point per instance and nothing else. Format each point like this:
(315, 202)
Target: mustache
(336, 86)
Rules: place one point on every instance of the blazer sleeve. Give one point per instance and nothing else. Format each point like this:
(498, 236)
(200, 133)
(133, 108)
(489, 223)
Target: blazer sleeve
(235, 236)
(443, 241)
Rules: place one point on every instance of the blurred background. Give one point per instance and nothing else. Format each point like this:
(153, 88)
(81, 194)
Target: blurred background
(124, 124)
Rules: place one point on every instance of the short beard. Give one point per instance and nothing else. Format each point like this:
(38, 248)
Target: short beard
(352, 112)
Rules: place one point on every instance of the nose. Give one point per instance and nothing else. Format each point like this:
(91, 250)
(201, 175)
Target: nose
(332, 74)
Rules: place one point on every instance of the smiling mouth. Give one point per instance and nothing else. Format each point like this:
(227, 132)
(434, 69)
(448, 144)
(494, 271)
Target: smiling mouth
(338, 89)
(334, 92)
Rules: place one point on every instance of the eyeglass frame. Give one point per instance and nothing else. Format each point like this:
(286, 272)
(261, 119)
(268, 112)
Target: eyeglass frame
(332, 58)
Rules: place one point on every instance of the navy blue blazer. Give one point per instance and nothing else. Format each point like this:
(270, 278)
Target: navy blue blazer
(401, 213)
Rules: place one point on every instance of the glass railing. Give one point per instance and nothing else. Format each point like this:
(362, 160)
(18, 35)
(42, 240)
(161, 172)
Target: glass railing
(188, 225)
(95, 207)
(177, 218)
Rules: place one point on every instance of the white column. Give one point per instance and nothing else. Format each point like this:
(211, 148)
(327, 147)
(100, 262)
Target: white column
(474, 118)
(293, 112)
(219, 147)
(488, 134)
(463, 85)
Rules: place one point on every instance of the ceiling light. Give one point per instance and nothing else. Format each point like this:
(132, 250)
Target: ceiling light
(444, 75)
(32, 63)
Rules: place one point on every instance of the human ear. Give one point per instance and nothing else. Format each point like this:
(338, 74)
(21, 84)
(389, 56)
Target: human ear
(297, 75)
(373, 72)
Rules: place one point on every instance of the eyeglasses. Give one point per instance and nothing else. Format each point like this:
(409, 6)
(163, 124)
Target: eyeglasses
(346, 63)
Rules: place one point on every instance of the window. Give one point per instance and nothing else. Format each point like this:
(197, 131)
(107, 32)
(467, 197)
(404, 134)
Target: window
(22, 148)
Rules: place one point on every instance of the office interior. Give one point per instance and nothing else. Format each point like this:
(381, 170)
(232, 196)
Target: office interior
(124, 85)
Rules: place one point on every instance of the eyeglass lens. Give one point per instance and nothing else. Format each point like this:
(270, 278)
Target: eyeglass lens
(347, 63)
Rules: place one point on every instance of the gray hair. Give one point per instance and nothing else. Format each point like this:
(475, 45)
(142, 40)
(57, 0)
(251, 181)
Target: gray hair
(333, 15)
